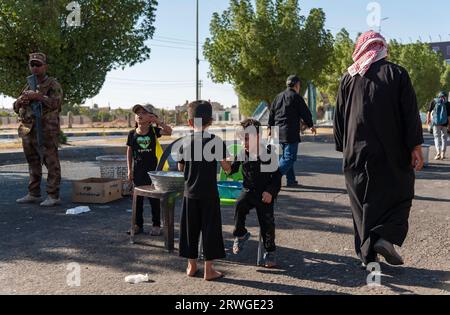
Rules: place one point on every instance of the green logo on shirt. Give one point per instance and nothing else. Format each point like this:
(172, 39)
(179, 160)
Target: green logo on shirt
(144, 142)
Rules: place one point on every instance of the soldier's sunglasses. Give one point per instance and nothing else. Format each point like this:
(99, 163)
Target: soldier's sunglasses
(35, 64)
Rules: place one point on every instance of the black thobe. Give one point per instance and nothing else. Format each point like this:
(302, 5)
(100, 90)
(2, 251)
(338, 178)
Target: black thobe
(376, 126)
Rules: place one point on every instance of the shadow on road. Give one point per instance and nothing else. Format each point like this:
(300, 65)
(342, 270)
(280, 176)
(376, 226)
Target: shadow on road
(341, 271)
(30, 233)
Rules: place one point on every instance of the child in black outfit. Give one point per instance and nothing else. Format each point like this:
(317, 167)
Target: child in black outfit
(141, 159)
(261, 187)
(201, 205)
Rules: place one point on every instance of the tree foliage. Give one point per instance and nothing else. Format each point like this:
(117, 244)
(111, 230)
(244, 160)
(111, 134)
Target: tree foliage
(427, 69)
(424, 66)
(256, 48)
(340, 60)
(112, 34)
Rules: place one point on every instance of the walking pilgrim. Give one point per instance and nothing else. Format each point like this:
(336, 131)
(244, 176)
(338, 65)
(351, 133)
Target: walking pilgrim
(378, 129)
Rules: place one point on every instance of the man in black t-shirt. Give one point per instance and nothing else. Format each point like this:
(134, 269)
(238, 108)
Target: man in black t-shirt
(286, 112)
(201, 205)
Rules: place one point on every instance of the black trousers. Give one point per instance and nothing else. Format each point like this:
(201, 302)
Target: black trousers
(156, 211)
(141, 179)
(201, 215)
(248, 201)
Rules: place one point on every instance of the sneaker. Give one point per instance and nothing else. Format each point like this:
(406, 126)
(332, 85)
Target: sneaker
(270, 260)
(387, 250)
(239, 243)
(292, 184)
(443, 156)
(156, 231)
(50, 202)
(29, 199)
(438, 156)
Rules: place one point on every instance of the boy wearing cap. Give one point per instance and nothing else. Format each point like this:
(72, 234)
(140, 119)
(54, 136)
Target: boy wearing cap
(198, 159)
(141, 159)
(49, 93)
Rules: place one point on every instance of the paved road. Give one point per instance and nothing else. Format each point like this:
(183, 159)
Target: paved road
(314, 237)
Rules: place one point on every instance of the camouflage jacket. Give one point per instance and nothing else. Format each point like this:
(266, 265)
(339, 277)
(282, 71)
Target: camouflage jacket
(51, 108)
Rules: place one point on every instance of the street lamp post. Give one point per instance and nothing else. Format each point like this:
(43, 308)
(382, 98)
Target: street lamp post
(197, 62)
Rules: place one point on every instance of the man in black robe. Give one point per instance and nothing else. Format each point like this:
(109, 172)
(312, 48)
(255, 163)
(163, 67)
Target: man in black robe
(378, 128)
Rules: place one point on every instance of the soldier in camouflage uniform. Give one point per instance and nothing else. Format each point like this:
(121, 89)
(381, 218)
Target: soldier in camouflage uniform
(50, 94)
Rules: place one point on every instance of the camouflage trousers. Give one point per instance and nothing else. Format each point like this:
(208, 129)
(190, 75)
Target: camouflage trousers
(51, 162)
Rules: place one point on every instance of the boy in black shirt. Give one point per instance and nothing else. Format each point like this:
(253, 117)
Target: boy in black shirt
(201, 205)
(262, 183)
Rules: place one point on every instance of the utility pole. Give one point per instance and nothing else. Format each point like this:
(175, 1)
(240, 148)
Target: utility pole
(200, 85)
(383, 19)
(197, 62)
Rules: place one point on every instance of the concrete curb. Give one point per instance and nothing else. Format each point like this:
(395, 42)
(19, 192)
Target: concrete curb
(76, 134)
(90, 153)
(67, 153)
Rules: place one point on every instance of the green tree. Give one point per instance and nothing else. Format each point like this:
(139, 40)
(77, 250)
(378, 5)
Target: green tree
(84, 111)
(340, 60)
(445, 78)
(427, 69)
(256, 48)
(112, 34)
(424, 66)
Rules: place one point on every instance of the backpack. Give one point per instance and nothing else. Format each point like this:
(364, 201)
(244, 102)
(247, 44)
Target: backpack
(440, 117)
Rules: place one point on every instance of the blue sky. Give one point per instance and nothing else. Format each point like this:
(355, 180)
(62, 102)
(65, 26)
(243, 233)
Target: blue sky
(168, 78)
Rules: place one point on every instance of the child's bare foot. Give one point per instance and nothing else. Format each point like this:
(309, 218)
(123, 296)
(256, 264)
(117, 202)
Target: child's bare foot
(191, 270)
(213, 275)
(210, 273)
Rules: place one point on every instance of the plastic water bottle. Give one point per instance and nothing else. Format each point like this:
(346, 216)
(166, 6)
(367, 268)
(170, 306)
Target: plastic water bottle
(78, 210)
(134, 279)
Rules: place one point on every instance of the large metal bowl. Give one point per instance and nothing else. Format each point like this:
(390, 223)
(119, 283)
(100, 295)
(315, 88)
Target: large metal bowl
(167, 181)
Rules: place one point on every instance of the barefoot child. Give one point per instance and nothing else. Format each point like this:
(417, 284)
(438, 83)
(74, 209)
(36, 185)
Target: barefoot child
(261, 187)
(201, 206)
(141, 159)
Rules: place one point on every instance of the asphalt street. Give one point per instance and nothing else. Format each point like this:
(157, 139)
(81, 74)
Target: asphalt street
(314, 238)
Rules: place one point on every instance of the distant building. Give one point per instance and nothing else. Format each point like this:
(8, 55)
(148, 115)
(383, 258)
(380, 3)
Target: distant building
(442, 47)
(220, 114)
(230, 114)
(216, 106)
(182, 108)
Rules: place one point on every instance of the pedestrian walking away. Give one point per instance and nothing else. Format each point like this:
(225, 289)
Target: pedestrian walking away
(378, 128)
(438, 118)
(286, 113)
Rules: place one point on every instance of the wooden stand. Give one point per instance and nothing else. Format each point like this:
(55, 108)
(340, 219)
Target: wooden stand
(167, 200)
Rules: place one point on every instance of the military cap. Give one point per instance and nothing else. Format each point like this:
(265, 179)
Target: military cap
(38, 57)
